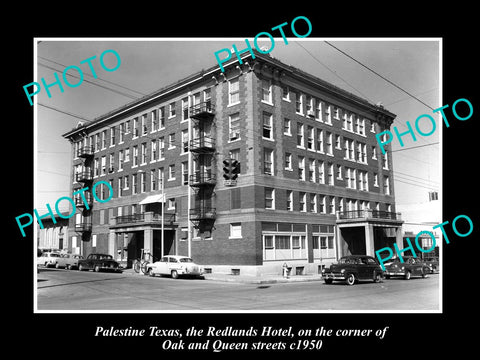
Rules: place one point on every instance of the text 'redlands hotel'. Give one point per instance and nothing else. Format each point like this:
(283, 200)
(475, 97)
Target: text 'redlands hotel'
(312, 183)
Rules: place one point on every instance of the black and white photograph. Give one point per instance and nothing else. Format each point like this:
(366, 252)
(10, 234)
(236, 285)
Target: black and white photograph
(260, 183)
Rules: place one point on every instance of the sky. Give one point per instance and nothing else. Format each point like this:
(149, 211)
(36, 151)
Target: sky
(414, 65)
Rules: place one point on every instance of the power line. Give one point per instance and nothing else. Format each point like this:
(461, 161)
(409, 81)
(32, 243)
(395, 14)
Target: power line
(398, 172)
(379, 75)
(415, 147)
(64, 112)
(109, 82)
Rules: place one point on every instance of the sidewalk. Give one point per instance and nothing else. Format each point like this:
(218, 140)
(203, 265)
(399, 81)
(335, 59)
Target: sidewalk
(263, 279)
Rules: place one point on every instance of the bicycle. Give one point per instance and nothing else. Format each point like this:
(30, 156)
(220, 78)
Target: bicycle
(141, 263)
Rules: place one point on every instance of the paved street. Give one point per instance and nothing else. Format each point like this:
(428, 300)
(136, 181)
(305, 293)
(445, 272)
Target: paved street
(74, 290)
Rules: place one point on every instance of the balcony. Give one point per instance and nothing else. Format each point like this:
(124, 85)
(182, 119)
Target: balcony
(145, 218)
(203, 144)
(85, 151)
(84, 176)
(83, 227)
(367, 214)
(203, 179)
(202, 111)
(78, 200)
(202, 213)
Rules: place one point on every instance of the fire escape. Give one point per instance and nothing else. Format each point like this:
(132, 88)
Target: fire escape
(203, 178)
(85, 176)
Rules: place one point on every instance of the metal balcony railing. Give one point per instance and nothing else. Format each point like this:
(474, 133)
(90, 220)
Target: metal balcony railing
(78, 200)
(202, 144)
(83, 227)
(147, 217)
(85, 175)
(368, 214)
(204, 110)
(202, 213)
(203, 178)
(85, 151)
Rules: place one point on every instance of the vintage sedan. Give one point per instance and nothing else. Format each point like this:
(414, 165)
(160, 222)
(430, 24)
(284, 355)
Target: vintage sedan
(433, 264)
(175, 266)
(353, 268)
(98, 262)
(68, 261)
(48, 259)
(409, 267)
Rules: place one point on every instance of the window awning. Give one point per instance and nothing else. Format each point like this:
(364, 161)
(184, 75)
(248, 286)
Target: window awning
(153, 199)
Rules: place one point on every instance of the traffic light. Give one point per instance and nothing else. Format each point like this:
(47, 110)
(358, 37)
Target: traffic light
(231, 169)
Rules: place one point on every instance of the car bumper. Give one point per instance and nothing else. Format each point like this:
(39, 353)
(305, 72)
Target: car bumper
(394, 273)
(334, 276)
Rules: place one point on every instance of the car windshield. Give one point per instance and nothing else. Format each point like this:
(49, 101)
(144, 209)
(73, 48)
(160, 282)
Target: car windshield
(105, 257)
(186, 260)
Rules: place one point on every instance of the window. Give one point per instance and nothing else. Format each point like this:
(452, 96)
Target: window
(319, 111)
(104, 165)
(104, 139)
(285, 93)
(112, 136)
(349, 149)
(300, 139)
(363, 180)
(302, 201)
(184, 109)
(143, 182)
(299, 103)
(135, 128)
(126, 182)
(144, 124)
(321, 172)
(268, 241)
(320, 141)
(235, 230)
(171, 172)
(171, 110)
(234, 127)
(287, 127)
(331, 205)
(267, 126)
(372, 127)
(134, 184)
(97, 143)
(185, 173)
(321, 204)
(311, 170)
(329, 115)
(153, 150)
(184, 141)
(336, 113)
(338, 142)
(269, 198)
(329, 143)
(120, 183)
(350, 176)
(301, 168)
(120, 160)
(161, 118)
(161, 176)
(267, 91)
(161, 148)
(127, 127)
(171, 141)
(330, 174)
(310, 138)
(127, 154)
(95, 167)
(374, 152)
(268, 161)
(360, 126)
(375, 179)
(288, 161)
(111, 163)
(339, 172)
(144, 153)
(289, 200)
(340, 205)
(282, 242)
(122, 133)
(313, 203)
(309, 106)
(234, 154)
(386, 185)
(154, 121)
(233, 91)
(385, 160)
(171, 204)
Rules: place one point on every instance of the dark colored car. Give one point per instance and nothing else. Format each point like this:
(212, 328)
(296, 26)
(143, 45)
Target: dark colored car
(353, 268)
(99, 262)
(433, 264)
(410, 267)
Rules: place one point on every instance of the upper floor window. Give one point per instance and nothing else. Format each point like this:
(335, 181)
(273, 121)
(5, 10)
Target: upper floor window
(267, 91)
(267, 126)
(171, 110)
(234, 127)
(233, 91)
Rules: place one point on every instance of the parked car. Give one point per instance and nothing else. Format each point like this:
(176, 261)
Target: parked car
(48, 259)
(68, 261)
(353, 268)
(98, 262)
(410, 267)
(175, 266)
(433, 264)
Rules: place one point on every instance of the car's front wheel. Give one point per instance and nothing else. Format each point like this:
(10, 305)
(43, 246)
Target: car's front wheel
(150, 272)
(174, 274)
(350, 279)
(377, 277)
(408, 275)
(97, 268)
(80, 267)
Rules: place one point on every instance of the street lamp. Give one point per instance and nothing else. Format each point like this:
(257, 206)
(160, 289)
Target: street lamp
(163, 207)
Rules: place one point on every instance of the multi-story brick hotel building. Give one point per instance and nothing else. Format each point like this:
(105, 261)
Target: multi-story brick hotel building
(313, 184)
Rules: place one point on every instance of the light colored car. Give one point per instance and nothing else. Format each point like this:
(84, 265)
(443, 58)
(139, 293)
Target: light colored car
(68, 261)
(175, 266)
(48, 259)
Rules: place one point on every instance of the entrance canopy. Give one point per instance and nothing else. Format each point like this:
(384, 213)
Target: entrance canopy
(153, 199)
